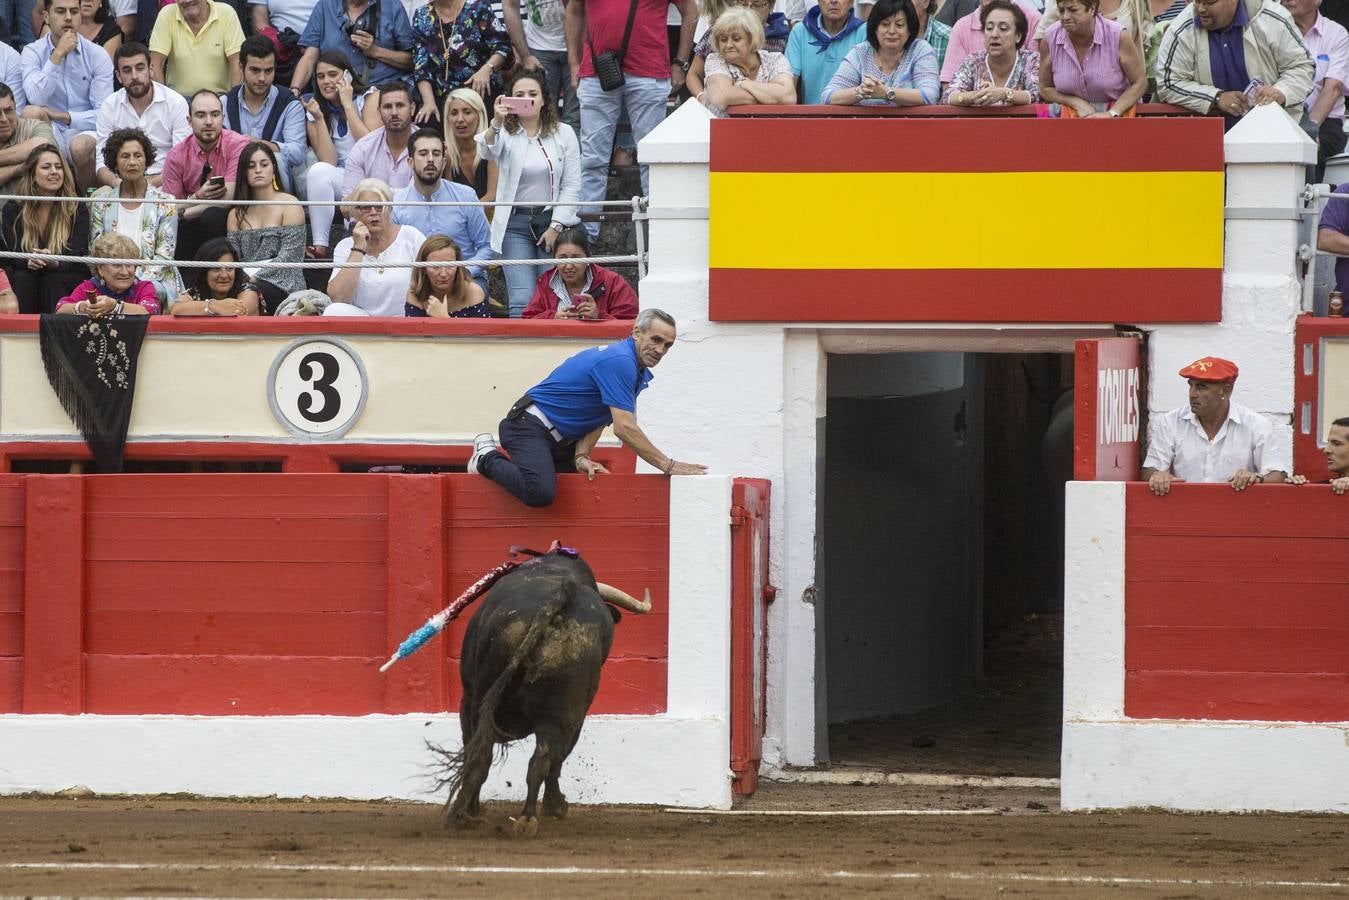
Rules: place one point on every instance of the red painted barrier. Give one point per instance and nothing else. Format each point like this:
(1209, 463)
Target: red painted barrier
(282, 595)
(1237, 604)
(1310, 419)
(750, 595)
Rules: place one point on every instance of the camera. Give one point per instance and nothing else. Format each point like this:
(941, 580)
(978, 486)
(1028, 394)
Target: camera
(367, 21)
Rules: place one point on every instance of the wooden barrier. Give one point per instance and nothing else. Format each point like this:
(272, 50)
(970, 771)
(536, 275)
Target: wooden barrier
(272, 595)
(1237, 604)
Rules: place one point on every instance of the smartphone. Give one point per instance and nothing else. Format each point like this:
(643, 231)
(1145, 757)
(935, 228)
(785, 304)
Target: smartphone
(346, 75)
(1251, 88)
(216, 181)
(519, 106)
(90, 295)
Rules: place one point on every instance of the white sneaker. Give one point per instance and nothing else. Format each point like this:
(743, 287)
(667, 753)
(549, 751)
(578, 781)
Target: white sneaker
(483, 444)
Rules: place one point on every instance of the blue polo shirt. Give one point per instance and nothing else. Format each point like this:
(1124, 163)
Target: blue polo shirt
(577, 396)
(394, 32)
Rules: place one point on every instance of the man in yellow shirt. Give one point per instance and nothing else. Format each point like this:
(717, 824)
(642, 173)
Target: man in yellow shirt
(199, 41)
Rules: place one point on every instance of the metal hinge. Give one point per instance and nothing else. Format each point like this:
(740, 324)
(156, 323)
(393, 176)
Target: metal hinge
(739, 516)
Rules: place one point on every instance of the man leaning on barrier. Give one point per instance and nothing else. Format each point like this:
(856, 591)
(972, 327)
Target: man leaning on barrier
(554, 427)
(1337, 458)
(1214, 439)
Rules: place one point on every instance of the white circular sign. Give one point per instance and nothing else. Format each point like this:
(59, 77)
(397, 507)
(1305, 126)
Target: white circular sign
(317, 387)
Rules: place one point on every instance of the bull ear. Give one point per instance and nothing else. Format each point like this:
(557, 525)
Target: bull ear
(613, 611)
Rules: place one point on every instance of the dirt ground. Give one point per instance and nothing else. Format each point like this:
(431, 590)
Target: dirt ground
(185, 847)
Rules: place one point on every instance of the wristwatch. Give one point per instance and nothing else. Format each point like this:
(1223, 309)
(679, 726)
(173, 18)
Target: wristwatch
(890, 95)
(557, 226)
(1114, 114)
(683, 63)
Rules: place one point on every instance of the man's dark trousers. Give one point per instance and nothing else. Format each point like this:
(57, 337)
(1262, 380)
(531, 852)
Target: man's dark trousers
(535, 459)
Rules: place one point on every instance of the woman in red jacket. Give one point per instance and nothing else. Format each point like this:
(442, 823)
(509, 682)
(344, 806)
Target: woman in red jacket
(571, 290)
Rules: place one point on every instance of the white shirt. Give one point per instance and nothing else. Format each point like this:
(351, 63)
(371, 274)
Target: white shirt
(292, 14)
(123, 7)
(164, 122)
(11, 71)
(1177, 443)
(383, 293)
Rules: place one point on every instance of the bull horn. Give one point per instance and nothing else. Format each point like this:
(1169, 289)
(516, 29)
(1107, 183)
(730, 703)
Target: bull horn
(611, 594)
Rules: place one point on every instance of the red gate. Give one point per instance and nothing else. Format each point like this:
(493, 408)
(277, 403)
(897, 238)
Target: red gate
(750, 595)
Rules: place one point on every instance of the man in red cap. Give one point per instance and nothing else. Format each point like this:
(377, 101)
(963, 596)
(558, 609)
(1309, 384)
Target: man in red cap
(1337, 457)
(1214, 439)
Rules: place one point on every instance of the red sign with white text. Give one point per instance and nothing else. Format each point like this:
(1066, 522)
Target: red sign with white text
(1107, 423)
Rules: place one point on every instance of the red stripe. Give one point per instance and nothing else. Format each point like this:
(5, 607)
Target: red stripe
(320, 326)
(1236, 695)
(936, 110)
(967, 145)
(966, 295)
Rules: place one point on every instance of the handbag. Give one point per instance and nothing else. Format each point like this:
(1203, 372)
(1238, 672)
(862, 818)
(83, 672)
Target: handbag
(540, 222)
(609, 64)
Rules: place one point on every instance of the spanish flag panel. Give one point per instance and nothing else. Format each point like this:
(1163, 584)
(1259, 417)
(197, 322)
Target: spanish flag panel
(974, 220)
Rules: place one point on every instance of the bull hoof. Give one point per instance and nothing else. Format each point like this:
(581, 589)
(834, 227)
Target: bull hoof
(462, 821)
(556, 808)
(526, 827)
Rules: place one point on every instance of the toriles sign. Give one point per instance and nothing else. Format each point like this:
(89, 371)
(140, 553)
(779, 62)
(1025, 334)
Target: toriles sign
(966, 220)
(1107, 421)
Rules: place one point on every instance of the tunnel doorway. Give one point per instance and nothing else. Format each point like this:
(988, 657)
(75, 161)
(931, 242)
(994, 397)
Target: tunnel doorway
(941, 571)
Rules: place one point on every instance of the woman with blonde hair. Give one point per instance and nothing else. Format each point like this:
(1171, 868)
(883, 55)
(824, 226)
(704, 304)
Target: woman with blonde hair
(114, 290)
(376, 291)
(44, 227)
(465, 118)
(774, 25)
(442, 292)
(739, 70)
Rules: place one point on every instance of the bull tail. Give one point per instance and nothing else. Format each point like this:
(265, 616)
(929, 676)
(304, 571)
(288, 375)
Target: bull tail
(452, 764)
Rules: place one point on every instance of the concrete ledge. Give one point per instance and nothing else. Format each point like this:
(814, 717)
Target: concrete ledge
(1206, 766)
(619, 759)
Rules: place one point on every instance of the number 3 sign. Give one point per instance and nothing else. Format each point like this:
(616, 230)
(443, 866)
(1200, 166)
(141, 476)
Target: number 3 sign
(317, 388)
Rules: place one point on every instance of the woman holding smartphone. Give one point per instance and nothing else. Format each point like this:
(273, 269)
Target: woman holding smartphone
(572, 290)
(540, 179)
(272, 231)
(337, 119)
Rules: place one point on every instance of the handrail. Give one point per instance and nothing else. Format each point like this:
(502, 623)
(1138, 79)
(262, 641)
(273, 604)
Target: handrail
(933, 111)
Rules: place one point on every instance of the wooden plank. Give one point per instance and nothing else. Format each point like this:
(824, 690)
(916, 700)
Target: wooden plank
(184, 548)
(1181, 560)
(415, 590)
(1225, 696)
(54, 595)
(237, 585)
(170, 632)
(627, 687)
(13, 509)
(11, 684)
(11, 634)
(1287, 511)
(1288, 649)
(239, 495)
(1236, 603)
(295, 532)
(232, 685)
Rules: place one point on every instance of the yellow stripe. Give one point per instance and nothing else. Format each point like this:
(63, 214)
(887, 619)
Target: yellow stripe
(960, 220)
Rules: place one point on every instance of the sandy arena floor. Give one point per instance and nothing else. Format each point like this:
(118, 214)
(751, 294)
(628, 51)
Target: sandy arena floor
(1024, 846)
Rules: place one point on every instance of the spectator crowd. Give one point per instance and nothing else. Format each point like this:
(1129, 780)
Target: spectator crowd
(281, 131)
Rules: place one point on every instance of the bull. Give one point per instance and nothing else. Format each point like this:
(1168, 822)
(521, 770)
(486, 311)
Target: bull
(531, 664)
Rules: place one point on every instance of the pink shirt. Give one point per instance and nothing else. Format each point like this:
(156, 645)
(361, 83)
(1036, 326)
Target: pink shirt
(1328, 43)
(967, 36)
(183, 164)
(142, 294)
(1098, 78)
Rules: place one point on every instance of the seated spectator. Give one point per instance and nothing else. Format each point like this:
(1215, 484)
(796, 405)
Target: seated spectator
(1333, 234)
(195, 46)
(375, 238)
(937, 34)
(442, 292)
(336, 111)
(465, 119)
(540, 162)
(1213, 439)
(383, 153)
(98, 24)
(773, 25)
(273, 231)
(740, 71)
(816, 47)
(1002, 74)
(1134, 16)
(9, 303)
(137, 209)
(465, 225)
(967, 37)
(259, 109)
(114, 290)
(458, 43)
(1337, 455)
(19, 21)
(1193, 74)
(43, 226)
(374, 34)
(1089, 65)
(281, 22)
(895, 67)
(217, 292)
(11, 74)
(571, 290)
(66, 78)
(141, 103)
(18, 138)
(1164, 11)
(203, 167)
(1328, 43)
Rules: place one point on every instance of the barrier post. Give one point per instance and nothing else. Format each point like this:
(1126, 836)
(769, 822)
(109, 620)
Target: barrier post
(417, 536)
(53, 622)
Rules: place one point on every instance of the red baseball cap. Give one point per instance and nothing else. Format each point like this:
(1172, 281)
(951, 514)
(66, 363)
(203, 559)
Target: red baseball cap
(1210, 368)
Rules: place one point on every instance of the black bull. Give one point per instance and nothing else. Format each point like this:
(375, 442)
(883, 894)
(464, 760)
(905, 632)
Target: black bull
(530, 665)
